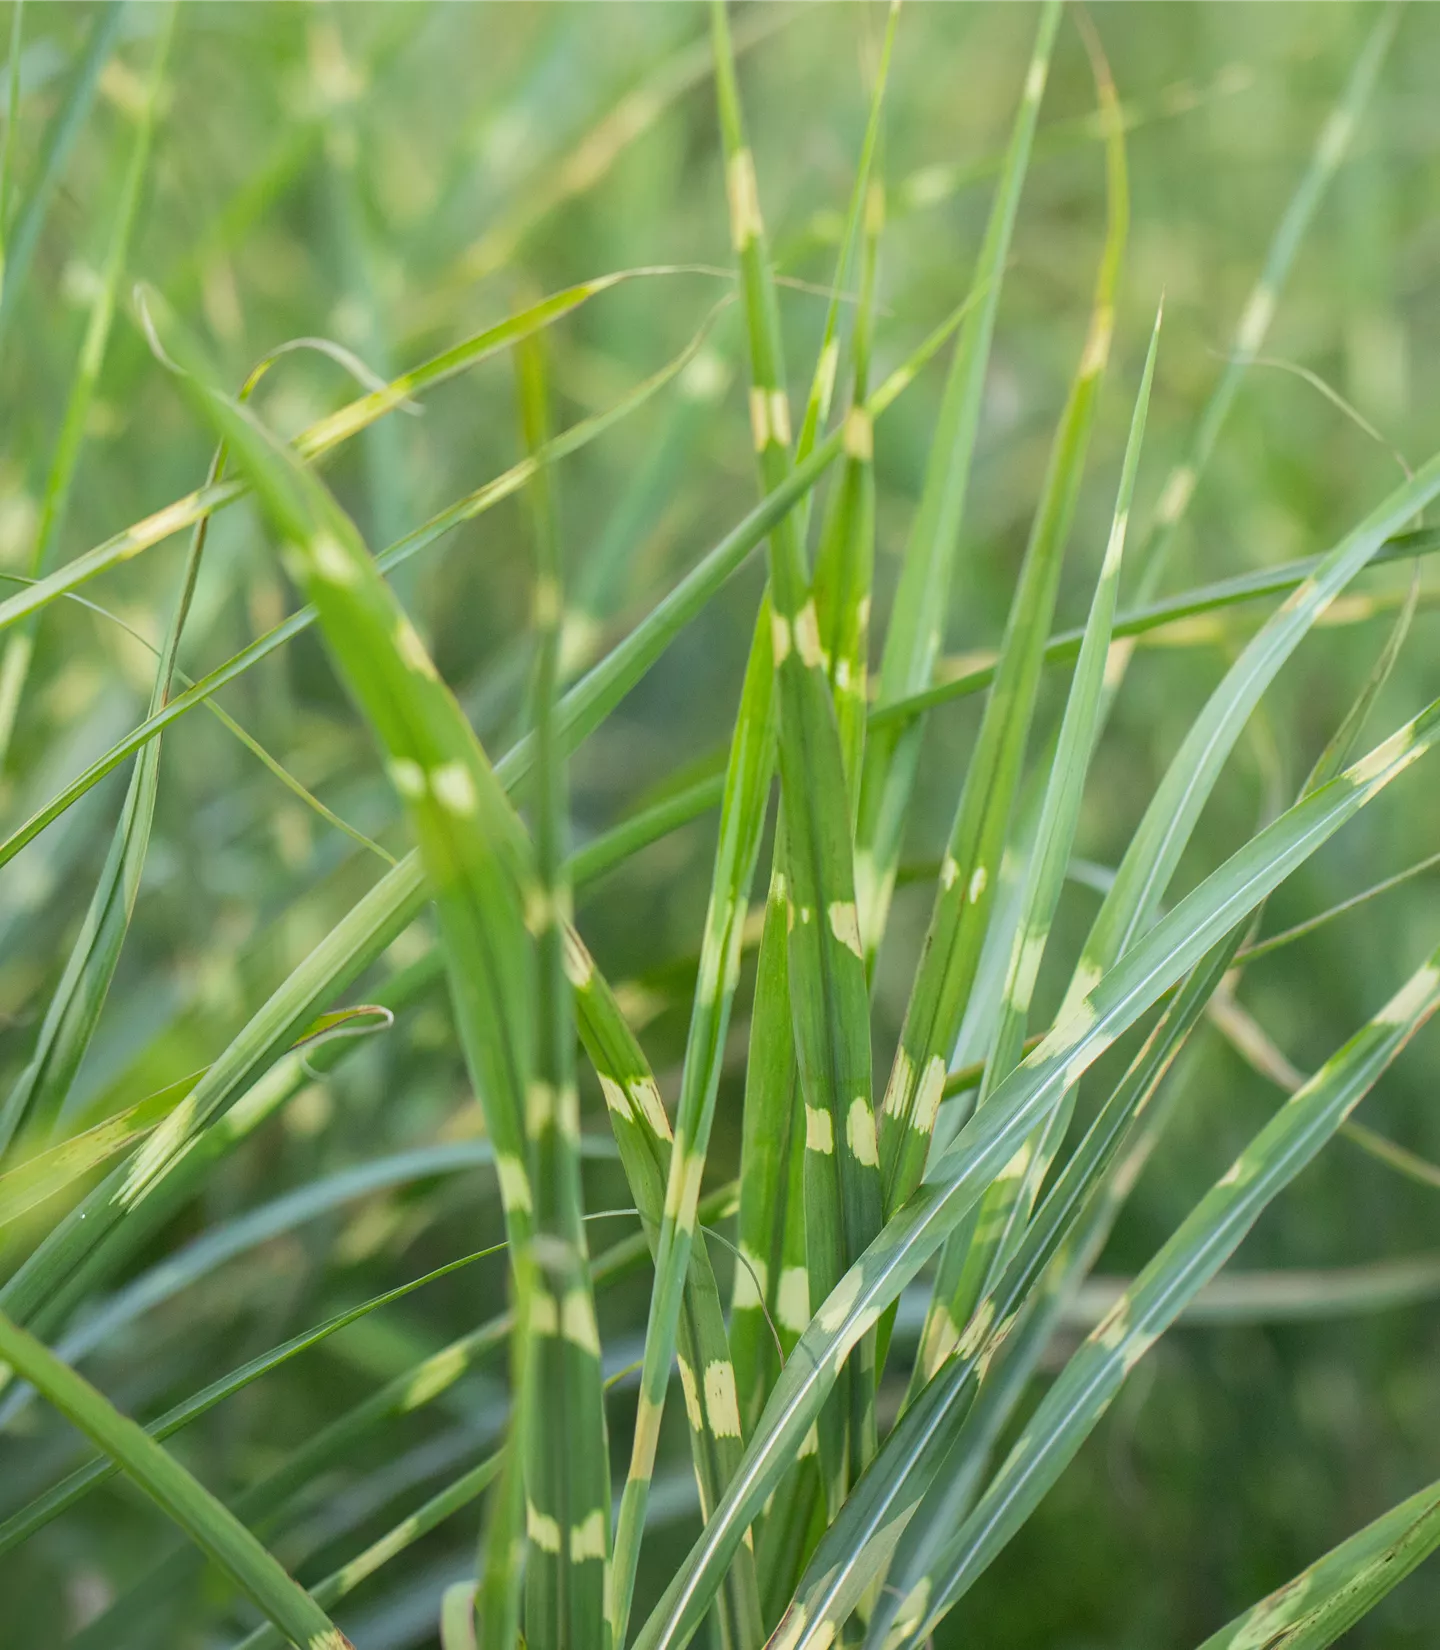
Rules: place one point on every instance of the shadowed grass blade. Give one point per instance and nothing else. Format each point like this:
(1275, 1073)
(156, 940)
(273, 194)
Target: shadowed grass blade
(22, 1525)
(181, 1497)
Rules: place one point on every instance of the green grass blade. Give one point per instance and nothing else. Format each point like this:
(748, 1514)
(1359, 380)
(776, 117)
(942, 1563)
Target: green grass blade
(40, 1091)
(956, 1179)
(1328, 1597)
(1330, 149)
(181, 1497)
(828, 991)
(426, 1517)
(59, 140)
(1064, 646)
(969, 874)
(643, 1134)
(968, 1269)
(771, 1284)
(567, 1483)
(742, 818)
(1198, 1248)
(20, 1526)
(771, 1292)
(912, 642)
(412, 1390)
(878, 1527)
(7, 143)
(19, 648)
(1161, 836)
(587, 704)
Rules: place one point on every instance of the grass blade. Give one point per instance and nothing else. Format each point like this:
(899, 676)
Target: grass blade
(912, 642)
(828, 991)
(40, 1091)
(567, 1483)
(15, 659)
(642, 1132)
(969, 878)
(1328, 1597)
(59, 140)
(20, 1526)
(967, 1271)
(70, 1255)
(204, 1519)
(1330, 150)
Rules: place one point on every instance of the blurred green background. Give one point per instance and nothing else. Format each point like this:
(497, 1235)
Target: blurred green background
(395, 176)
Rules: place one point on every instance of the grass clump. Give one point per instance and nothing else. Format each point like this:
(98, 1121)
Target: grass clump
(593, 1108)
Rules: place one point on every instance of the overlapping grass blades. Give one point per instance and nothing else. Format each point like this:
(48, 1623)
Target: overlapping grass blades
(772, 1286)
(1199, 1247)
(969, 874)
(912, 641)
(958, 1177)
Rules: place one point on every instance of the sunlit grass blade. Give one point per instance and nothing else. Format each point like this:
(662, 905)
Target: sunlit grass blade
(19, 648)
(1201, 1244)
(967, 1270)
(1328, 1597)
(969, 873)
(957, 1178)
(912, 641)
(183, 1498)
(64, 128)
(567, 1480)
(1330, 150)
